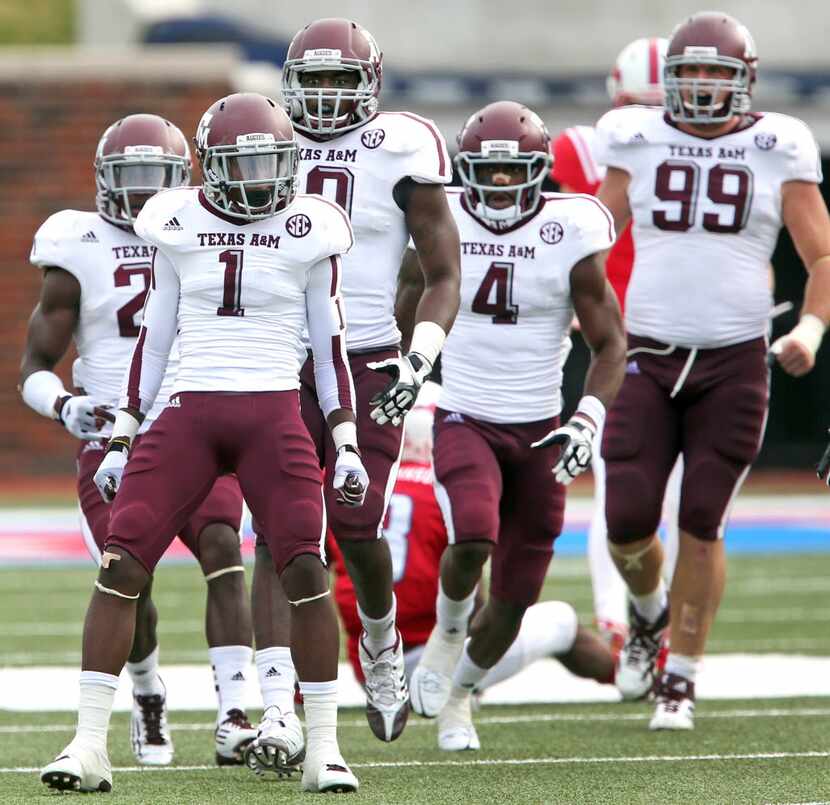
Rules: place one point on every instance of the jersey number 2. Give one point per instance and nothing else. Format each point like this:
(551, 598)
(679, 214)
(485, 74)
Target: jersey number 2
(127, 328)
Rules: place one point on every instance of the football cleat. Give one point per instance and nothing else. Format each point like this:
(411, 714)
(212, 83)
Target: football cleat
(638, 657)
(149, 734)
(613, 634)
(79, 768)
(279, 747)
(431, 680)
(232, 736)
(456, 732)
(329, 774)
(387, 694)
(675, 704)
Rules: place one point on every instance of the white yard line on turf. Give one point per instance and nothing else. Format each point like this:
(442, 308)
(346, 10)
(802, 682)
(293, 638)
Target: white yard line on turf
(530, 761)
(541, 718)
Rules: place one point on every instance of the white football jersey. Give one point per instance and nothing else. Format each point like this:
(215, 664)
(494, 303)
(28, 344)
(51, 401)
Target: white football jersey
(112, 266)
(706, 216)
(359, 170)
(238, 291)
(502, 361)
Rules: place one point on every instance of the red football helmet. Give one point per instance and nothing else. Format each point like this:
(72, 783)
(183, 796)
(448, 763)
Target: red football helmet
(503, 133)
(249, 157)
(136, 157)
(709, 38)
(332, 45)
(637, 75)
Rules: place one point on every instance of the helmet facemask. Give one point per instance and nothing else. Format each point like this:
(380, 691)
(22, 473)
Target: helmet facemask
(328, 111)
(253, 179)
(706, 100)
(534, 165)
(124, 181)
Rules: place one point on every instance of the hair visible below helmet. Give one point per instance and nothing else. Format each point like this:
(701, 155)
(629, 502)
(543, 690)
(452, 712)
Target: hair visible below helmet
(709, 38)
(506, 133)
(249, 157)
(417, 434)
(136, 157)
(332, 44)
(637, 75)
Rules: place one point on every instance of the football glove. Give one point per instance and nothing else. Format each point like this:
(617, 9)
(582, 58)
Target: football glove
(823, 466)
(108, 475)
(408, 374)
(82, 417)
(576, 437)
(351, 481)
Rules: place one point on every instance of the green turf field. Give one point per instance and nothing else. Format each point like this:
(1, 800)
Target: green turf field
(758, 751)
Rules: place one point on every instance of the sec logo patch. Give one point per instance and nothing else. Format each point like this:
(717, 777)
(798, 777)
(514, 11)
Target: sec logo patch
(765, 141)
(552, 232)
(373, 138)
(298, 225)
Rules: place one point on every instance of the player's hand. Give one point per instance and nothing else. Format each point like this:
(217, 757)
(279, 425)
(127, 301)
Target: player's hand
(82, 417)
(351, 481)
(408, 374)
(576, 437)
(823, 466)
(108, 475)
(794, 357)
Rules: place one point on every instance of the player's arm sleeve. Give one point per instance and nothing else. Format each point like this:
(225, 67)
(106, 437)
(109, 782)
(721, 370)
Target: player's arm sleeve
(593, 229)
(145, 372)
(566, 165)
(612, 146)
(427, 160)
(327, 331)
(803, 156)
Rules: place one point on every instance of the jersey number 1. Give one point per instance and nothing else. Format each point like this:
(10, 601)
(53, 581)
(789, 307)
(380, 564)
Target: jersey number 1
(232, 294)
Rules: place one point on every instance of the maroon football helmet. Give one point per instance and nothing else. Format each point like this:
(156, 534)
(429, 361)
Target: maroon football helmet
(503, 133)
(709, 38)
(249, 158)
(136, 157)
(332, 45)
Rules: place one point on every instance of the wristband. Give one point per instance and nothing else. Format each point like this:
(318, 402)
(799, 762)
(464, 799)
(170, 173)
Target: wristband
(427, 340)
(41, 391)
(125, 427)
(809, 331)
(592, 409)
(344, 435)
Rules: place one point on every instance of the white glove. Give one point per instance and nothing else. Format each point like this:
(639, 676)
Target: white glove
(577, 439)
(82, 417)
(108, 475)
(408, 374)
(350, 478)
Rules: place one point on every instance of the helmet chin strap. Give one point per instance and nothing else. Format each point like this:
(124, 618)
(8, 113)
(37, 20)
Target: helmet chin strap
(502, 218)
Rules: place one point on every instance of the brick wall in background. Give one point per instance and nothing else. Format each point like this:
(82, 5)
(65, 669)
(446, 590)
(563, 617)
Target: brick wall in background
(48, 133)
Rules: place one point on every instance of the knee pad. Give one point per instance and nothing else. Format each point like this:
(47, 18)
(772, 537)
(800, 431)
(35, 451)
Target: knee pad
(115, 577)
(473, 553)
(224, 571)
(632, 505)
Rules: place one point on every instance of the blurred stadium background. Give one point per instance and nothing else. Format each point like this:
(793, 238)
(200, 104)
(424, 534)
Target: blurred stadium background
(70, 67)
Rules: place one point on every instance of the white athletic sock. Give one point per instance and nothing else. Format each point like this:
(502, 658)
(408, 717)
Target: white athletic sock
(276, 677)
(467, 675)
(650, 606)
(231, 665)
(453, 617)
(95, 707)
(548, 629)
(380, 632)
(145, 675)
(320, 705)
(682, 665)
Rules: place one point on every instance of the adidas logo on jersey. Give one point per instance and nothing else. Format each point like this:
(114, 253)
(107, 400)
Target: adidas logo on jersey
(238, 677)
(272, 672)
(633, 368)
(173, 225)
(89, 237)
(454, 417)
(637, 138)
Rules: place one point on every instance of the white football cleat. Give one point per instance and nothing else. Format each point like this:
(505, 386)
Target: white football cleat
(279, 747)
(149, 733)
(329, 774)
(637, 660)
(232, 736)
(79, 768)
(431, 681)
(456, 732)
(387, 694)
(675, 704)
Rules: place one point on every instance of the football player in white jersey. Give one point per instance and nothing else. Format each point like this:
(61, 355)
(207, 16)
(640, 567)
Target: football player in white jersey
(386, 170)
(96, 273)
(707, 186)
(242, 266)
(529, 260)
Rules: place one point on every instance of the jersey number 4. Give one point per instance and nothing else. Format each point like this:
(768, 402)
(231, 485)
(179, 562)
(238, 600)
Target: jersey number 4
(678, 180)
(498, 305)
